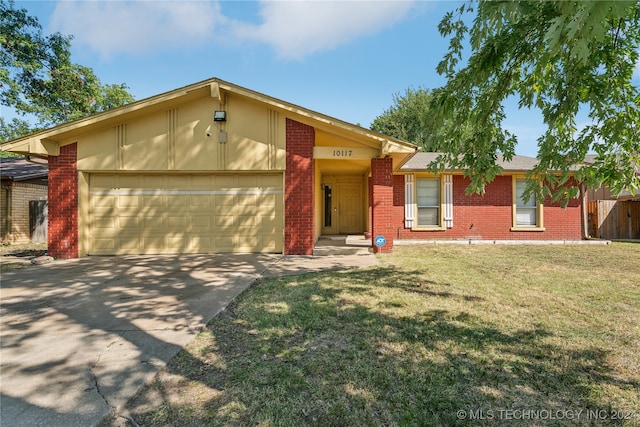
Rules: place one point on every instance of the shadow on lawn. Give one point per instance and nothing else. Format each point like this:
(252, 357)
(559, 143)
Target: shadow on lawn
(312, 356)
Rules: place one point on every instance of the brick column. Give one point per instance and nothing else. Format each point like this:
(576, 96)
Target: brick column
(382, 203)
(299, 190)
(63, 204)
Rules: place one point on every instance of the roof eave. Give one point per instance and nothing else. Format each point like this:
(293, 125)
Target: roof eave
(46, 143)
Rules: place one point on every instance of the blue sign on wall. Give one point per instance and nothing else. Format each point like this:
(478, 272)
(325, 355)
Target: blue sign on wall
(380, 241)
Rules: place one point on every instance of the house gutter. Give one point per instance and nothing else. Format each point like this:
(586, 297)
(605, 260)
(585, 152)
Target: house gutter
(30, 160)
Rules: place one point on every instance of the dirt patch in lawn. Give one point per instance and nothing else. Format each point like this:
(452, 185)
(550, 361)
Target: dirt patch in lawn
(14, 256)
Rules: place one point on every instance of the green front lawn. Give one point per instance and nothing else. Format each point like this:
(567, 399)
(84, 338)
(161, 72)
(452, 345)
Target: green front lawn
(436, 335)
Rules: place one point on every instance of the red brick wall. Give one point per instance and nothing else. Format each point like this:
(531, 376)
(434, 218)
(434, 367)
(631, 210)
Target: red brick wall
(63, 204)
(299, 186)
(489, 217)
(382, 203)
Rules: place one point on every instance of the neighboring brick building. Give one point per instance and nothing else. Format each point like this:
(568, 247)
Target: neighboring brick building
(22, 182)
(215, 167)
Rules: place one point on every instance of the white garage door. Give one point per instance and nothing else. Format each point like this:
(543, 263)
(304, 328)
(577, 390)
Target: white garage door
(160, 214)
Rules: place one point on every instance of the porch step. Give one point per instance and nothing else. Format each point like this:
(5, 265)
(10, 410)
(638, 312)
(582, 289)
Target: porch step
(342, 245)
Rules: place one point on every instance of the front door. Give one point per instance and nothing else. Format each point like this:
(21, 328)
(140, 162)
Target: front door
(349, 208)
(343, 206)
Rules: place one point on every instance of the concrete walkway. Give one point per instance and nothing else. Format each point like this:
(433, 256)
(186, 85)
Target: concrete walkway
(79, 338)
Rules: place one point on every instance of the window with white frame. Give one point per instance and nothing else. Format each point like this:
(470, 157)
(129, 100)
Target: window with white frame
(526, 212)
(428, 202)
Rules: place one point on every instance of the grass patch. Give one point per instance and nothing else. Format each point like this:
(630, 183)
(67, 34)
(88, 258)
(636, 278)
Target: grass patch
(552, 332)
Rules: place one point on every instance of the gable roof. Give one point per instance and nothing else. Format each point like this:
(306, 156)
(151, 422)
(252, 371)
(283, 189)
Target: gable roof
(16, 169)
(47, 142)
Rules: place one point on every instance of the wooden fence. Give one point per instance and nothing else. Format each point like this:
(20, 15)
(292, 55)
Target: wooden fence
(614, 219)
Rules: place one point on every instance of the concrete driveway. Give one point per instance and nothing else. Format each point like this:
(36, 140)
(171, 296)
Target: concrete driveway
(79, 338)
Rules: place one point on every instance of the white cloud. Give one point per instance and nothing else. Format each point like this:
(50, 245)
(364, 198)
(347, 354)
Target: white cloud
(295, 28)
(113, 27)
(299, 28)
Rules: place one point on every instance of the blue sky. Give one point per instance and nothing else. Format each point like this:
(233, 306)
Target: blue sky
(345, 59)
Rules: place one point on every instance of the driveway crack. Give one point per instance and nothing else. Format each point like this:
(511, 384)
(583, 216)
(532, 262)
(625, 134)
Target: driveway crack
(96, 384)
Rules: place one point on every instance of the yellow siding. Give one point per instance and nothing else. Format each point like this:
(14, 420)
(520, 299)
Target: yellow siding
(146, 146)
(184, 137)
(98, 150)
(325, 139)
(195, 150)
(256, 137)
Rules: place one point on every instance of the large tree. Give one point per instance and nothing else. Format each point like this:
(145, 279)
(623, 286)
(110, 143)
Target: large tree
(408, 118)
(563, 59)
(39, 81)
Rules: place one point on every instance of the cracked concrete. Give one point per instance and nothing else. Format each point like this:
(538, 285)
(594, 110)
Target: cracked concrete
(97, 385)
(79, 338)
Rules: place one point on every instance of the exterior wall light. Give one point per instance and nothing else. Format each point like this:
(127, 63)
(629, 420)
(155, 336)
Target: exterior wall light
(220, 116)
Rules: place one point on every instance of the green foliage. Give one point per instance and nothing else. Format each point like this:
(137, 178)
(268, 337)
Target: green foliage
(407, 118)
(13, 129)
(561, 58)
(38, 79)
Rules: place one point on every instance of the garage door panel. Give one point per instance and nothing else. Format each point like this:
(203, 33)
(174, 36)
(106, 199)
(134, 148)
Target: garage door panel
(154, 200)
(185, 214)
(248, 221)
(105, 223)
(178, 182)
(268, 226)
(153, 243)
(267, 200)
(200, 223)
(154, 222)
(224, 222)
(200, 201)
(128, 222)
(100, 201)
(224, 181)
(129, 181)
(201, 182)
(128, 201)
(225, 200)
(153, 181)
(249, 244)
(181, 242)
(177, 201)
(130, 243)
(104, 181)
(200, 242)
(226, 244)
(104, 244)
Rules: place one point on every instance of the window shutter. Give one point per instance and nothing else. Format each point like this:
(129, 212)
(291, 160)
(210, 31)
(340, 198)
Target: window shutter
(409, 202)
(448, 201)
